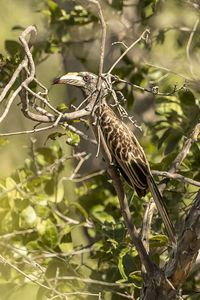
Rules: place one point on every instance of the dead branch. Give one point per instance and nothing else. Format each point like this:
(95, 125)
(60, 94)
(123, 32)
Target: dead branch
(185, 149)
(181, 263)
(176, 176)
(188, 48)
(143, 37)
(146, 224)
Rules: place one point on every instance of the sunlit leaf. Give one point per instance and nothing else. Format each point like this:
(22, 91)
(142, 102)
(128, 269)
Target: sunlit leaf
(29, 215)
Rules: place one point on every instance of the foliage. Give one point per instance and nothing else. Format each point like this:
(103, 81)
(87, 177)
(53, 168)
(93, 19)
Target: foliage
(46, 224)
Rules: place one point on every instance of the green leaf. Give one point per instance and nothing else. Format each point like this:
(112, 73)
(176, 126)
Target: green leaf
(4, 141)
(55, 11)
(172, 142)
(158, 241)
(45, 156)
(99, 213)
(81, 209)
(18, 27)
(13, 47)
(29, 215)
(50, 235)
(136, 275)
(33, 245)
(62, 107)
(66, 247)
(73, 139)
(60, 193)
(114, 231)
(187, 98)
(14, 194)
(123, 252)
(52, 5)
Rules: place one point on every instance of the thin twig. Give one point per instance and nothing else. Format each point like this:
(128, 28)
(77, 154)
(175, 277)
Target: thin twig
(89, 280)
(154, 90)
(185, 149)
(143, 36)
(47, 169)
(188, 48)
(175, 176)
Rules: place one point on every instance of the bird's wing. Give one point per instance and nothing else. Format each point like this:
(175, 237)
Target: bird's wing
(134, 171)
(130, 157)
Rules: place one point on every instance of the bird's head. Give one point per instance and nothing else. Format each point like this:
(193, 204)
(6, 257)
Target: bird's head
(86, 81)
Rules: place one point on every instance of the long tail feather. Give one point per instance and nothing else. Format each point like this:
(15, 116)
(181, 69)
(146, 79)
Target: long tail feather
(161, 208)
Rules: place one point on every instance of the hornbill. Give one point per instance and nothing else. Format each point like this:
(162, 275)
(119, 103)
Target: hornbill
(121, 142)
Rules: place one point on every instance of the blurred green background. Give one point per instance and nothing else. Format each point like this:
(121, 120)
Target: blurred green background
(68, 40)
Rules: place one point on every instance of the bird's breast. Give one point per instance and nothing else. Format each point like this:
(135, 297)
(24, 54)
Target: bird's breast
(115, 133)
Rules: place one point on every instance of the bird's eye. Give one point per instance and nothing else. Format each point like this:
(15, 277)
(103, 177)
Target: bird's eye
(86, 77)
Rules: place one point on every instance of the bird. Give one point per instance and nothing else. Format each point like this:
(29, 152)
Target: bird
(124, 147)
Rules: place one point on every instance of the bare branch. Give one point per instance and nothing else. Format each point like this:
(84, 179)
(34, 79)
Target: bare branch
(154, 90)
(146, 225)
(89, 280)
(144, 36)
(28, 131)
(188, 47)
(83, 178)
(82, 159)
(20, 232)
(176, 177)
(185, 149)
(167, 70)
(180, 265)
(65, 254)
(47, 169)
(5, 261)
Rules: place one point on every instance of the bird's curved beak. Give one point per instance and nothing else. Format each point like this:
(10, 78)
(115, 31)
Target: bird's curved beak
(71, 79)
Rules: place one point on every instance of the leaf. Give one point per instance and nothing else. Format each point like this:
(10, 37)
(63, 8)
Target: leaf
(66, 247)
(136, 275)
(12, 195)
(52, 5)
(114, 231)
(45, 156)
(158, 241)
(13, 47)
(121, 268)
(163, 137)
(60, 193)
(123, 252)
(3, 142)
(81, 209)
(62, 107)
(50, 235)
(166, 162)
(172, 142)
(18, 27)
(99, 213)
(187, 97)
(29, 215)
(73, 139)
(55, 11)
(33, 245)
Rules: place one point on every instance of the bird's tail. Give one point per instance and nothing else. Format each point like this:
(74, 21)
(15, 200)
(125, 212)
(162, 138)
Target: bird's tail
(162, 209)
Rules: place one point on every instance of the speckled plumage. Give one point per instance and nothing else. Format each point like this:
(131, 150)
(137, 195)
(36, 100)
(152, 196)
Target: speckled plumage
(125, 148)
(122, 144)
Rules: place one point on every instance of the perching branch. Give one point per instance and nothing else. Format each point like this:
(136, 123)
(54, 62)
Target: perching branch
(189, 238)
